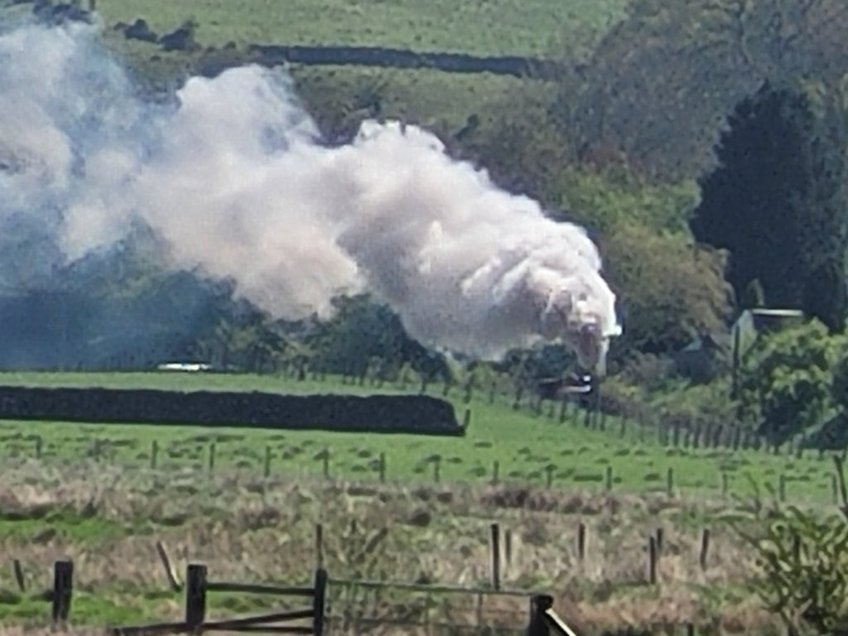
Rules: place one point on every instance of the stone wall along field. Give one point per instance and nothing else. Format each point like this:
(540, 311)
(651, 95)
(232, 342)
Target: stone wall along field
(416, 414)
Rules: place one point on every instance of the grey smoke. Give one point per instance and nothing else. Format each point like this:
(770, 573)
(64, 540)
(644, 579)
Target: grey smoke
(234, 177)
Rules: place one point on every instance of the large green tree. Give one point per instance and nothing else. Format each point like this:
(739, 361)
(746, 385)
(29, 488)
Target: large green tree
(788, 380)
(777, 201)
(660, 82)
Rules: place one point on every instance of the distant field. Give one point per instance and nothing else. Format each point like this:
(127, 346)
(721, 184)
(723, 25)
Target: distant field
(524, 445)
(488, 27)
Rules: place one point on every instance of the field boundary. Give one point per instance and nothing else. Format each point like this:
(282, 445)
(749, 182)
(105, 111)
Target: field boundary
(377, 56)
(417, 414)
(314, 619)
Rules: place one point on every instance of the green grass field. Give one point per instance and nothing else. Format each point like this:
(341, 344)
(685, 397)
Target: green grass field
(528, 447)
(487, 27)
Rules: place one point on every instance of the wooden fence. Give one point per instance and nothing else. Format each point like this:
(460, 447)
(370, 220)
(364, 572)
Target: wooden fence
(311, 619)
(315, 616)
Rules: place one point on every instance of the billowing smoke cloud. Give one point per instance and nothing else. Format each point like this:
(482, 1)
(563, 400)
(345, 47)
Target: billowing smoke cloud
(234, 178)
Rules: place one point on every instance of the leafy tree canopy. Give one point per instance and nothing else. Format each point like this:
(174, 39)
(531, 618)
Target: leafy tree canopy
(787, 379)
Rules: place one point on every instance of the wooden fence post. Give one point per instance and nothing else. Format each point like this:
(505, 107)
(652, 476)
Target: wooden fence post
(169, 569)
(154, 452)
(539, 604)
(652, 560)
(382, 468)
(211, 457)
(609, 478)
(437, 465)
(705, 548)
(319, 545)
(496, 469)
(670, 482)
(496, 556)
(195, 599)
(19, 575)
(266, 470)
(319, 601)
(63, 584)
(581, 541)
(325, 458)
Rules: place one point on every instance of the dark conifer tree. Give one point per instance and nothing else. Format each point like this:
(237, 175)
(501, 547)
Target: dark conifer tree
(777, 200)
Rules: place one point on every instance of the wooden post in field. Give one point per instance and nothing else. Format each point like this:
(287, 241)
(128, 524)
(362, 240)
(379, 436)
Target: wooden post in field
(437, 468)
(834, 489)
(319, 602)
(266, 470)
(173, 581)
(319, 545)
(38, 444)
(211, 457)
(496, 556)
(724, 487)
(19, 575)
(781, 487)
(609, 478)
(669, 485)
(581, 541)
(382, 468)
(154, 453)
(63, 584)
(549, 475)
(325, 458)
(652, 560)
(517, 404)
(705, 548)
(660, 539)
(496, 466)
(195, 598)
(538, 624)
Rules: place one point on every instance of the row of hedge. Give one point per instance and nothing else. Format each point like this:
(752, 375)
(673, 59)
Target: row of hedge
(416, 414)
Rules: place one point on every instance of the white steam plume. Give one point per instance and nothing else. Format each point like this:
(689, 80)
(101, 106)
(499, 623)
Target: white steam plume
(235, 180)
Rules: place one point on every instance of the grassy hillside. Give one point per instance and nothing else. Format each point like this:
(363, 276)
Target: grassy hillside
(523, 444)
(471, 26)
(340, 96)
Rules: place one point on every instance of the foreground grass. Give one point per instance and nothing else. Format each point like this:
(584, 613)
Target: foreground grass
(249, 529)
(523, 446)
